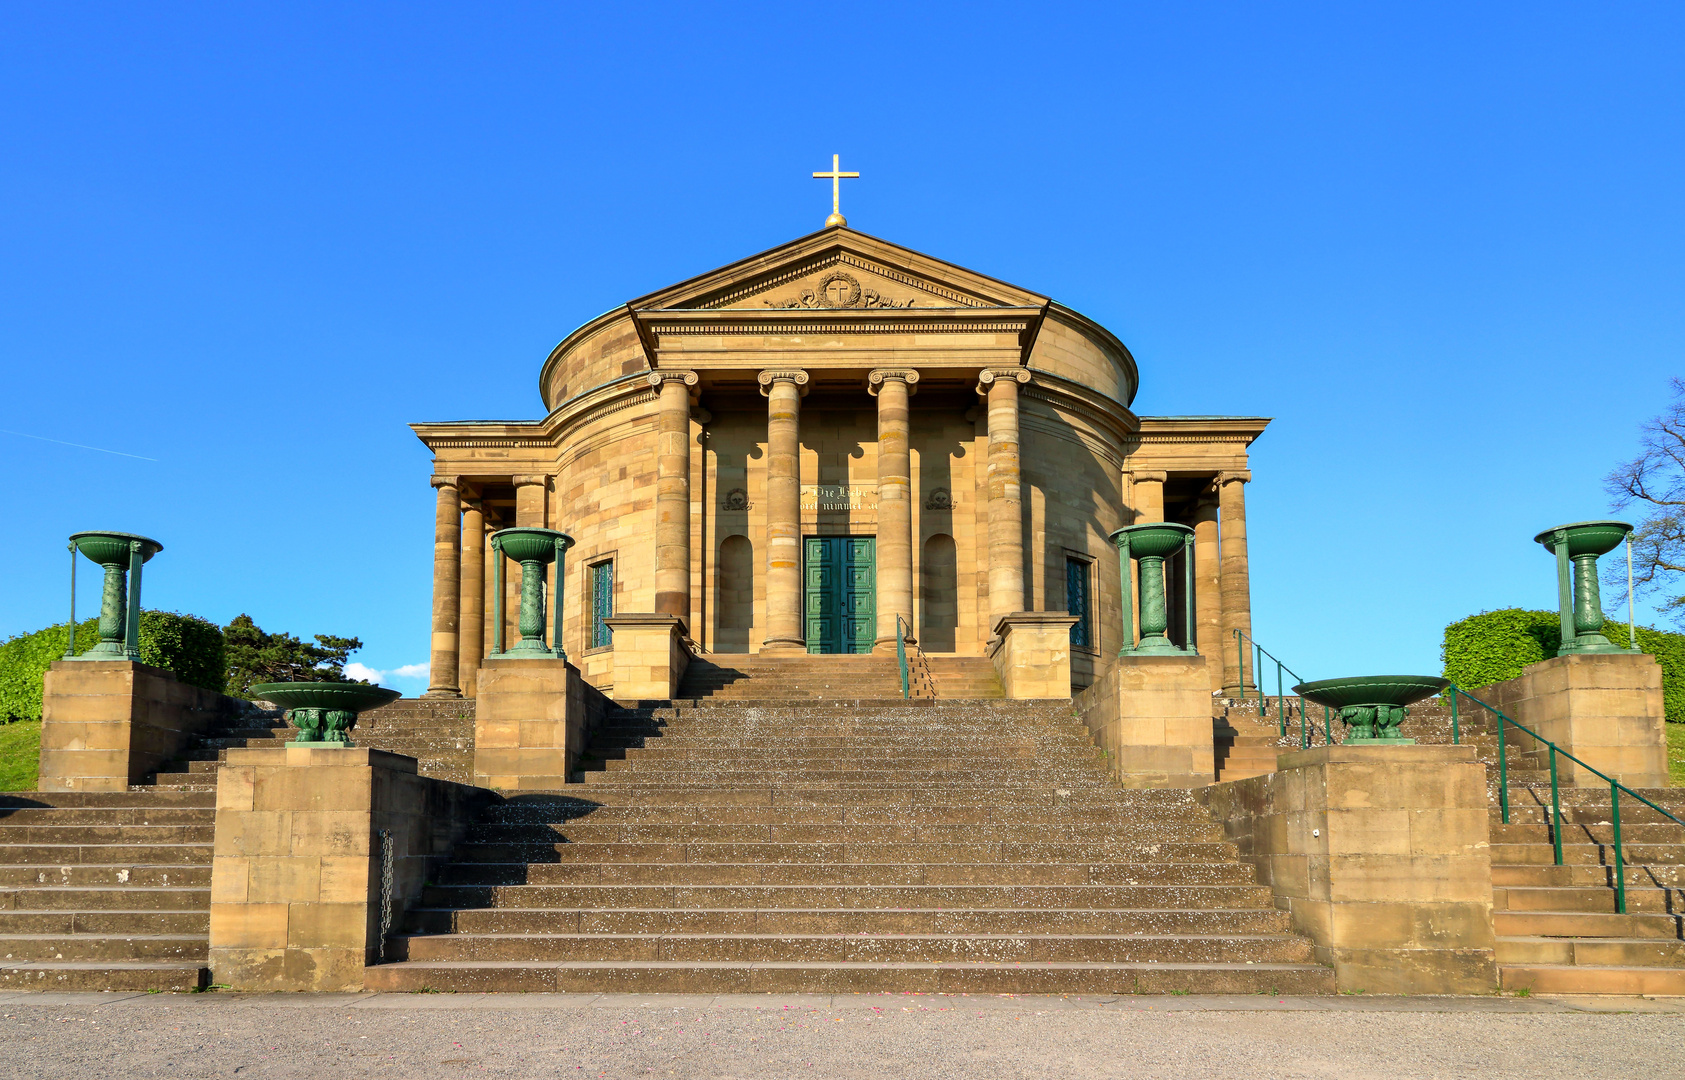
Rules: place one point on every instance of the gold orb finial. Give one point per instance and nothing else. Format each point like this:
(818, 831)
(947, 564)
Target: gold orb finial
(836, 177)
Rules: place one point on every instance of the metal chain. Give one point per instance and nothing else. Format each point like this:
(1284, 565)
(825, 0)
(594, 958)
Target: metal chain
(385, 890)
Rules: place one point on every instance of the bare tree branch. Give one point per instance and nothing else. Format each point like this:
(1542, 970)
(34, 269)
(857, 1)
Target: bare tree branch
(1655, 481)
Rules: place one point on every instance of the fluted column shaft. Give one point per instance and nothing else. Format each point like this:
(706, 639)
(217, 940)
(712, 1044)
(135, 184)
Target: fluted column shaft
(783, 390)
(471, 645)
(447, 566)
(672, 493)
(893, 389)
(1006, 501)
(1237, 586)
(1208, 604)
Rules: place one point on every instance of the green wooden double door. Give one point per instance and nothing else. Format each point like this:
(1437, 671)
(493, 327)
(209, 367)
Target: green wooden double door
(839, 604)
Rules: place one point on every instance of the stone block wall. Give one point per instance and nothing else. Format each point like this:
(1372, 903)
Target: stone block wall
(532, 720)
(107, 724)
(1604, 708)
(1152, 715)
(1381, 856)
(297, 870)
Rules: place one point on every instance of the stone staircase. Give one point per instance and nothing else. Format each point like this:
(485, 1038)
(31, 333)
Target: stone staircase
(111, 890)
(1557, 927)
(761, 836)
(105, 890)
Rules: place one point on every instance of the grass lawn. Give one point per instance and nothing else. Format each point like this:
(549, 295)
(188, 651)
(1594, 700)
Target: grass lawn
(1676, 753)
(20, 752)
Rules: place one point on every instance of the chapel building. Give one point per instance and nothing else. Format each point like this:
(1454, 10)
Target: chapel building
(803, 450)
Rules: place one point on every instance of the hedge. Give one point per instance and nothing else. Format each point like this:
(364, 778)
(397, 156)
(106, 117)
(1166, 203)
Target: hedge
(1495, 645)
(187, 645)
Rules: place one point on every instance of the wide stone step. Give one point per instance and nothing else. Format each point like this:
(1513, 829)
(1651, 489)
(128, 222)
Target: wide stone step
(1119, 851)
(101, 876)
(1592, 952)
(789, 978)
(1571, 875)
(1600, 899)
(667, 920)
(1116, 816)
(1576, 816)
(845, 873)
(849, 795)
(112, 922)
(876, 896)
(788, 777)
(1581, 834)
(103, 975)
(1588, 979)
(182, 949)
(105, 834)
(1586, 924)
(116, 898)
(146, 797)
(848, 752)
(1541, 853)
(855, 948)
(118, 855)
(107, 816)
(837, 837)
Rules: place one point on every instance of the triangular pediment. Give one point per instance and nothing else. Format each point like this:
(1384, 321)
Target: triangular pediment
(839, 269)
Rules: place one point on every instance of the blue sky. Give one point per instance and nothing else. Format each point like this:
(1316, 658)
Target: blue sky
(1441, 244)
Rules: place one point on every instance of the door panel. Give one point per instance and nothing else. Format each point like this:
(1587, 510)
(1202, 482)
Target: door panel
(839, 604)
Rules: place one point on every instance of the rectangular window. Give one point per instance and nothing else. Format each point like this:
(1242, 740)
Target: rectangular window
(1076, 601)
(602, 602)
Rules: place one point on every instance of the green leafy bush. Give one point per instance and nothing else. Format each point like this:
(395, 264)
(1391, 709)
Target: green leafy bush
(1495, 645)
(187, 645)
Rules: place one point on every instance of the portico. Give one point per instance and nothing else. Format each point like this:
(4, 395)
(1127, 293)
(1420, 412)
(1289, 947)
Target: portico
(974, 441)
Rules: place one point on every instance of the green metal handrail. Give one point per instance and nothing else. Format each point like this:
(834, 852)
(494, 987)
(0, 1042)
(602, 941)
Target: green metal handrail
(1283, 711)
(1615, 789)
(901, 658)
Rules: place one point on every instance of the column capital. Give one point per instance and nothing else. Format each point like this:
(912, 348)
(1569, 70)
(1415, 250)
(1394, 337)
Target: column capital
(445, 481)
(989, 376)
(689, 378)
(1147, 476)
(878, 376)
(772, 375)
(1236, 476)
(530, 480)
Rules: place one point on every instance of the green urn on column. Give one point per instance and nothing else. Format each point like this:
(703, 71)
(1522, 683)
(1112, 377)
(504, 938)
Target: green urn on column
(534, 549)
(1579, 600)
(121, 555)
(1153, 545)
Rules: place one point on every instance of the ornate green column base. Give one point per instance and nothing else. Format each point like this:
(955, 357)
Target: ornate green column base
(323, 712)
(1576, 547)
(1151, 545)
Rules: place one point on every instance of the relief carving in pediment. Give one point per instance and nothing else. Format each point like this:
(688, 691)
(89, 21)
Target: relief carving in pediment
(837, 289)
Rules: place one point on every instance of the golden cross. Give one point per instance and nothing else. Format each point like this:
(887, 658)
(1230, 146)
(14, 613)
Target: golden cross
(836, 176)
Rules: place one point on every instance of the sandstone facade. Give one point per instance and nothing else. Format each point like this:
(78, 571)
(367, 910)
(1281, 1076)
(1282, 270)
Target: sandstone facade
(981, 437)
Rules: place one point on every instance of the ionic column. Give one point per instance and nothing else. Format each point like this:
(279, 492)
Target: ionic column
(471, 644)
(672, 493)
(1236, 586)
(447, 566)
(1208, 604)
(893, 387)
(783, 390)
(1006, 504)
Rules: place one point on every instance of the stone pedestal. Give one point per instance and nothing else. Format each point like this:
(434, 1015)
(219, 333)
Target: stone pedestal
(1604, 708)
(107, 724)
(1152, 716)
(1380, 855)
(296, 878)
(531, 722)
(650, 656)
(1031, 651)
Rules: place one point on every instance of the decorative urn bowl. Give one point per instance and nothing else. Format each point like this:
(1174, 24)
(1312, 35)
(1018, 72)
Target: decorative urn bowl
(323, 712)
(1577, 545)
(1373, 706)
(1151, 544)
(115, 552)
